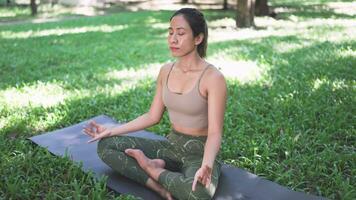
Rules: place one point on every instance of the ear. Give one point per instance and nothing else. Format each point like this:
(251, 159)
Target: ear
(198, 39)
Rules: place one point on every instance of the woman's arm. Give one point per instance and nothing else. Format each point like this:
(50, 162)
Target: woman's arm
(152, 117)
(217, 92)
(216, 108)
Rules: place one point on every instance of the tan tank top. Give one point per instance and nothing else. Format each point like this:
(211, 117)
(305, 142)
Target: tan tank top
(189, 109)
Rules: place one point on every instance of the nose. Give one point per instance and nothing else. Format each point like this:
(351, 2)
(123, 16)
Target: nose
(172, 38)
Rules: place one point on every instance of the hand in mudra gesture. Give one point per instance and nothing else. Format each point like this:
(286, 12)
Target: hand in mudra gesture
(96, 131)
(203, 175)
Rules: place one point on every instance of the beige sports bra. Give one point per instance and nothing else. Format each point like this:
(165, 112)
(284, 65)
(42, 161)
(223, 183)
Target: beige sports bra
(189, 109)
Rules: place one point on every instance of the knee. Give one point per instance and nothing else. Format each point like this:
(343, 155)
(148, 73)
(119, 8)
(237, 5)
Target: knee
(116, 143)
(103, 145)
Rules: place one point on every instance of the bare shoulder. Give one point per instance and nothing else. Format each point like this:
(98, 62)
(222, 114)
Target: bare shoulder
(213, 81)
(165, 68)
(214, 76)
(163, 71)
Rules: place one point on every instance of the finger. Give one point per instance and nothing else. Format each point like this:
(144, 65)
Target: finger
(204, 180)
(194, 183)
(88, 125)
(208, 181)
(88, 129)
(96, 125)
(88, 132)
(92, 140)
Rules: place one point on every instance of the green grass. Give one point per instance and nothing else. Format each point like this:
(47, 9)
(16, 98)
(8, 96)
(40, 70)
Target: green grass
(294, 125)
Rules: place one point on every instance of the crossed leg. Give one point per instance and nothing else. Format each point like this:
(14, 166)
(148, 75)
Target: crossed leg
(113, 152)
(153, 167)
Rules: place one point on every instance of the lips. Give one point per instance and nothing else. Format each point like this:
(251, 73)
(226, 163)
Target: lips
(174, 48)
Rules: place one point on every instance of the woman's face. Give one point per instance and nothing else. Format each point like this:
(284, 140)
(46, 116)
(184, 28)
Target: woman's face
(180, 37)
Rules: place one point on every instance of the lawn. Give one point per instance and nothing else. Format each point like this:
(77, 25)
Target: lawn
(291, 94)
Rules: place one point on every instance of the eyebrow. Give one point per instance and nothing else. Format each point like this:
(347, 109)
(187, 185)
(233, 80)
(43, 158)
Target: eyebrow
(170, 28)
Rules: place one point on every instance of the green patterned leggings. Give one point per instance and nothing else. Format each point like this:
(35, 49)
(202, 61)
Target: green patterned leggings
(182, 153)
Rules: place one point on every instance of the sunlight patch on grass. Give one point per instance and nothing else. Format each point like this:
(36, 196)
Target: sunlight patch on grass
(51, 94)
(294, 23)
(224, 29)
(348, 8)
(286, 97)
(13, 11)
(2, 123)
(87, 11)
(223, 22)
(47, 120)
(7, 14)
(151, 20)
(245, 71)
(283, 47)
(130, 77)
(62, 31)
(145, 71)
(150, 70)
(347, 52)
(161, 26)
(336, 84)
(40, 94)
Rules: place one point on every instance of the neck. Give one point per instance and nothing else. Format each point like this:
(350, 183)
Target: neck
(189, 62)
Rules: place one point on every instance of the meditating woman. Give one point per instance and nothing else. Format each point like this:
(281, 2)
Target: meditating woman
(186, 166)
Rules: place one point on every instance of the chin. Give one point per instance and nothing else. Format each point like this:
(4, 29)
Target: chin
(179, 54)
(175, 54)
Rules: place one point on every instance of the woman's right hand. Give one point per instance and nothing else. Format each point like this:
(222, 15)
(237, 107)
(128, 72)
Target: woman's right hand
(96, 131)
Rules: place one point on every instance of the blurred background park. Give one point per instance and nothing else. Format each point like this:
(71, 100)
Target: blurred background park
(290, 66)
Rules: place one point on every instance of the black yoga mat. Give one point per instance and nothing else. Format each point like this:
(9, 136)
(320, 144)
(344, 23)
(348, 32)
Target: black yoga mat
(234, 184)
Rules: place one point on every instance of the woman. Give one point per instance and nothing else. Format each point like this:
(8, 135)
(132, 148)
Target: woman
(194, 93)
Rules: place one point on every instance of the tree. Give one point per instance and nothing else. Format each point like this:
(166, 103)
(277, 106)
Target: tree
(33, 7)
(225, 5)
(261, 8)
(245, 13)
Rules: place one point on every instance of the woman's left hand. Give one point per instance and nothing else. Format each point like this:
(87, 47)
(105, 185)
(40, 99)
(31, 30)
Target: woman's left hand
(203, 175)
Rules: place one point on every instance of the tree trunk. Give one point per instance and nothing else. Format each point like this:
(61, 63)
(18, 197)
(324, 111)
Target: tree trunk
(245, 13)
(33, 7)
(261, 8)
(225, 5)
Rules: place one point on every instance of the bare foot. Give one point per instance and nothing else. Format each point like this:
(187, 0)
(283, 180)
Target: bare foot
(144, 162)
(153, 167)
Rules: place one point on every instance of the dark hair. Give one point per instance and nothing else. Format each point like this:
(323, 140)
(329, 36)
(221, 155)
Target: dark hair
(198, 24)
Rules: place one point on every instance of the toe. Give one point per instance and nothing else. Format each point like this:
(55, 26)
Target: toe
(129, 151)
